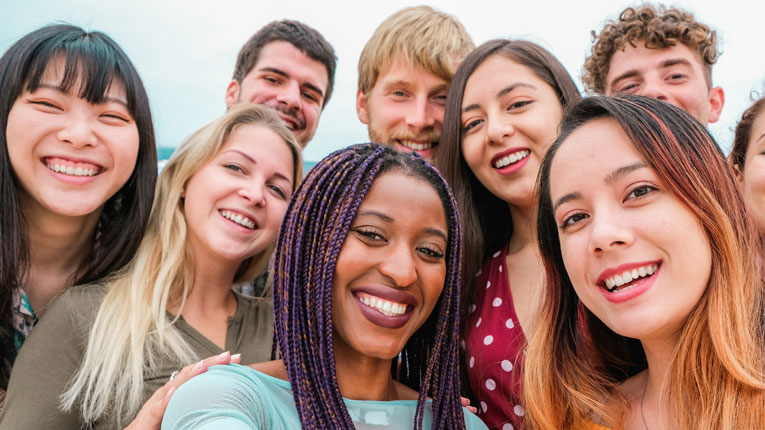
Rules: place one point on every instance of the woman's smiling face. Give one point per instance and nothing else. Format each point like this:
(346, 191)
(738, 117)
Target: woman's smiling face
(637, 256)
(391, 268)
(69, 155)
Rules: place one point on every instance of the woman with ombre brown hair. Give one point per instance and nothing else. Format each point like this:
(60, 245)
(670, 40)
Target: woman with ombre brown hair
(652, 316)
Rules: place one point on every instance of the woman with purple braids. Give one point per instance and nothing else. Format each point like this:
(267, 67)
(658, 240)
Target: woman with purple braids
(366, 307)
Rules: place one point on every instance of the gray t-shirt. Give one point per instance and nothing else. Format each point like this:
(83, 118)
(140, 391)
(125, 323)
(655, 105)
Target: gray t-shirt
(53, 352)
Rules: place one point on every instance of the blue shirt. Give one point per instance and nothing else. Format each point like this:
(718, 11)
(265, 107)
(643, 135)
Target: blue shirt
(239, 397)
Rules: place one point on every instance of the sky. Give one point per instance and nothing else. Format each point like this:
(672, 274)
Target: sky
(185, 50)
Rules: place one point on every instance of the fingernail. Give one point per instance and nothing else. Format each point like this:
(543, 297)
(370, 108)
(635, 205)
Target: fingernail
(223, 355)
(236, 357)
(198, 365)
(170, 392)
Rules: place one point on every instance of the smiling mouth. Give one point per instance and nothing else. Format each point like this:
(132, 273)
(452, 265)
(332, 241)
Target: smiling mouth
(71, 168)
(385, 307)
(629, 278)
(239, 219)
(416, 146)
(511, 158)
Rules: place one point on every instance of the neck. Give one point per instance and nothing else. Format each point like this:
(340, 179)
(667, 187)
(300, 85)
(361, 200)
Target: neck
(56, 242)
(57, 246)
(211, 290)
(365, 378)
(653, 409)
(524, 227)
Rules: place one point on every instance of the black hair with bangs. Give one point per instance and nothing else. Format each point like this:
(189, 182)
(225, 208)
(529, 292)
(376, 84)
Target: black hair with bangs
(93, 60)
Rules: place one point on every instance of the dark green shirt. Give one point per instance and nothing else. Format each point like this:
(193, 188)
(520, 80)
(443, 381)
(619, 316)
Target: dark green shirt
(53, 352)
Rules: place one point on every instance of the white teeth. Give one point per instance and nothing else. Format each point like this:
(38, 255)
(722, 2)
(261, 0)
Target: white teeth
(512, 158)
(416, 146)
(629, 276)
(239, 219)
(390, 309)
(72, 171)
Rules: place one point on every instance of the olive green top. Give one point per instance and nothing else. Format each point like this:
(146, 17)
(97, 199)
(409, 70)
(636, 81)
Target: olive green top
(52, 354)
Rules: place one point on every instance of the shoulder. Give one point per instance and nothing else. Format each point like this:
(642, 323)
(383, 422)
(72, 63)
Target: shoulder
(225, 394)
(472, 422)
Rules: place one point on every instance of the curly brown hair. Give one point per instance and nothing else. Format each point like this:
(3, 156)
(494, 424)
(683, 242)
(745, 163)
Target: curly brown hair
(656, 25)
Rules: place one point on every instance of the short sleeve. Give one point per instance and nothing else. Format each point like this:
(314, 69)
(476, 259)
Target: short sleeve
(223, 397)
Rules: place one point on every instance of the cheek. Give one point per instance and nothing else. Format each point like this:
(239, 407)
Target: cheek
(472, 150)
(125, 150)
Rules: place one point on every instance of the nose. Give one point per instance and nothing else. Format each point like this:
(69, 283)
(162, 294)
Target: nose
(399, 265)
(289, 96)
(654, 90)
(498, 128)
(609, 231)
(254, 192)
(420, 114)
(78, 131)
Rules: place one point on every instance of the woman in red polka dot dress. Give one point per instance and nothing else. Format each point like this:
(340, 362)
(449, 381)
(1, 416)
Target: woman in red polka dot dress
(502, 113)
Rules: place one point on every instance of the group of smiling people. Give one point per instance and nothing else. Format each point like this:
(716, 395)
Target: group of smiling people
(563, 262)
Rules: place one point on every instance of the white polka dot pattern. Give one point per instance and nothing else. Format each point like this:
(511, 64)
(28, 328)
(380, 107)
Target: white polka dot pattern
(507, 365)
(478, 324)
(472, 362)
(497, 302)
(488, 340)
(518, 410)
(507, 426)
(484, 407)
(509, 323)
(490, 384)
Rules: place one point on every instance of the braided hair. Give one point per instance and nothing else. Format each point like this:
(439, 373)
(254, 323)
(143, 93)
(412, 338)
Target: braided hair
(312, 233)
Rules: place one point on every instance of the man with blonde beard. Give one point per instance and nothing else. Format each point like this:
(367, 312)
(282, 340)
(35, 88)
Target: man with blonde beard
(404, 75)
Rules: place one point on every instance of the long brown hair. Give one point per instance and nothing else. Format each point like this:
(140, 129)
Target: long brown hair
(575, 363)
(486, 220)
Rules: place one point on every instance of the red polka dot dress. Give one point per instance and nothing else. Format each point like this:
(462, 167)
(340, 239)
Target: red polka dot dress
(494, 347)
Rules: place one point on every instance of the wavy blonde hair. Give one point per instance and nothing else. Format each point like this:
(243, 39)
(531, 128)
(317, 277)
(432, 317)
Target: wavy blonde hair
(575, 363)
(131, 330)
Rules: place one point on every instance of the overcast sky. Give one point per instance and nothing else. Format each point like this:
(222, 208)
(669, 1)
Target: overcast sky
(185, 50)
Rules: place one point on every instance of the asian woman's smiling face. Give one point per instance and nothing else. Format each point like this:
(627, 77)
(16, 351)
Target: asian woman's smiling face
(638, 258)
(69, 155)
(391, 268)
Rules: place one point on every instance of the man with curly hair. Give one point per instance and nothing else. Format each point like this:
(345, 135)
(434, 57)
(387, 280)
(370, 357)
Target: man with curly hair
(658, 52)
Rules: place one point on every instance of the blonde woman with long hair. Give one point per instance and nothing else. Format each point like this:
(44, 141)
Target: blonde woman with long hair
(653, 310)
(102, 350)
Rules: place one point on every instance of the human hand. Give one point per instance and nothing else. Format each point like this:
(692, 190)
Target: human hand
(466, 403)
(151, 413)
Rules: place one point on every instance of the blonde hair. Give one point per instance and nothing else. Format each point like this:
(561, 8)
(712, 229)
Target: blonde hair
(420, 36)
(131, 329)
(575, 363)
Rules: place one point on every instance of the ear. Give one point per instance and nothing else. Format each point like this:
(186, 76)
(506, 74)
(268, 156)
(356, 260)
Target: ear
(361, 107)
(716, 102)
(232, 93)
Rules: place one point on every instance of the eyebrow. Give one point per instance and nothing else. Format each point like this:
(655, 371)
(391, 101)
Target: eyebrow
(610, 178)
(252, 160)
(387, 218)
(284, 74)
(106, 99)
(664, 64)
(500, 93)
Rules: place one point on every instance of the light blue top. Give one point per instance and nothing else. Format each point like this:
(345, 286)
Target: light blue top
(238, 397)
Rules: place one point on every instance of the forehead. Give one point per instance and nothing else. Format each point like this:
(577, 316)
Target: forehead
(420, 204)
(641, 59)
(55, 75)
(498, 70)
(400, 71)
(591, 151)
(297, 64)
